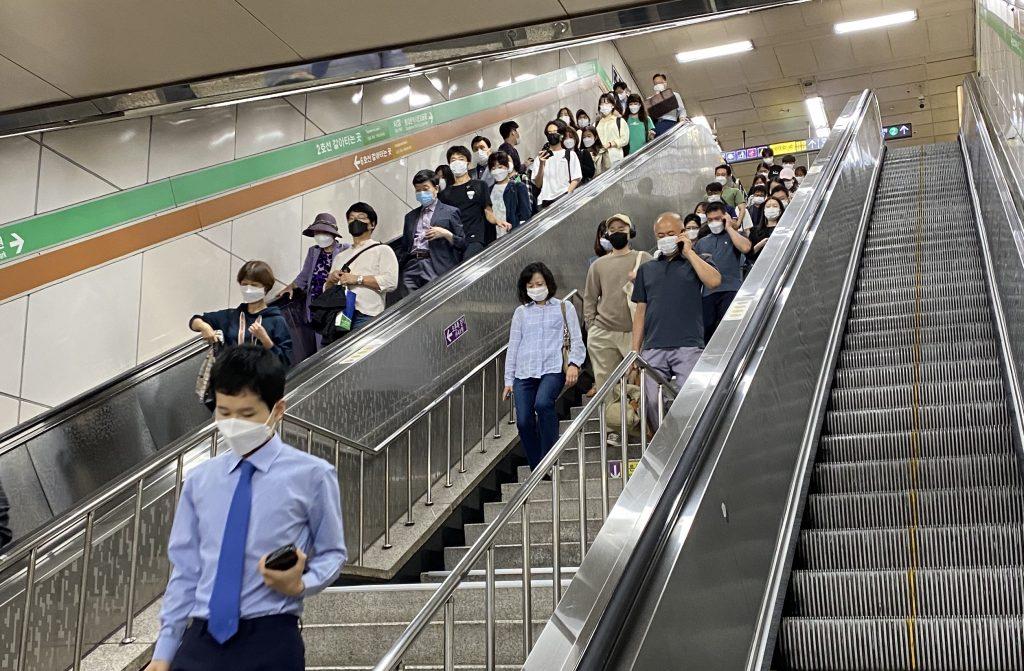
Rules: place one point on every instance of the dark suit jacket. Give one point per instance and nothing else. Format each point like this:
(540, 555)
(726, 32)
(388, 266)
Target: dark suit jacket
(444, 255)
(517, 204)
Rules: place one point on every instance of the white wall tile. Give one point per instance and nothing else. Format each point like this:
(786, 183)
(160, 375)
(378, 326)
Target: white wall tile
(29, 410)
(179, 279)
(219, 235)
(496, 74)
(335, 199)
(385, 98)
(271, 235)
(62, 183)
(335, 109)
(82, 331)
(19, 170)
(191, 140)
(267, 124)
(396, 175)
(8, 413)
(118, 151)
(12, 344)
(390, 208)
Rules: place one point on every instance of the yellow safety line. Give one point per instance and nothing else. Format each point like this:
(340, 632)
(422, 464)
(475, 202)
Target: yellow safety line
(915, 422)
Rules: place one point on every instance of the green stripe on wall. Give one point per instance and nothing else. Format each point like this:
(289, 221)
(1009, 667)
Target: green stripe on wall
(1006, 33)
(61, 226)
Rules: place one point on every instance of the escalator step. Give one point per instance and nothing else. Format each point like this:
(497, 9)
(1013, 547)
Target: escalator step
(930, 373)
(926, 353)
(935, 507)
(911, 245)
(910, 280)
(929, 393)
(990, 470)
(957, 314)
(952, 592)
(923, 444)
(898, 335)
(870, 644)
(873, 304)
(933, 547)
(908, 418)
(904, 256)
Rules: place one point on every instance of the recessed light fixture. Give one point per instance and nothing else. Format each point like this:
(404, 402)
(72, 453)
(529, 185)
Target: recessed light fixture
(715, 52)
(816, 110)
(876, 22)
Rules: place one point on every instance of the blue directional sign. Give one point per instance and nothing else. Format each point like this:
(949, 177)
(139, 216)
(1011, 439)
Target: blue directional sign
(897, 131)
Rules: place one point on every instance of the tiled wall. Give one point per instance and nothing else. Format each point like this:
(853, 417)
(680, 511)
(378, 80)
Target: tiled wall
(72, 335)
(1001, 64)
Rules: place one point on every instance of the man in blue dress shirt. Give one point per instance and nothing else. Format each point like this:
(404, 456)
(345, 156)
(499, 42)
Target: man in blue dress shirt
(223, 609)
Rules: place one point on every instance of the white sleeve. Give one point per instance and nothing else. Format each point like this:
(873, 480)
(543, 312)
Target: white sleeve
(387, 268)
(682, 107)
(575, 171)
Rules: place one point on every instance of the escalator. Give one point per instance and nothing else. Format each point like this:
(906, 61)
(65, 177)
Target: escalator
(911, 552)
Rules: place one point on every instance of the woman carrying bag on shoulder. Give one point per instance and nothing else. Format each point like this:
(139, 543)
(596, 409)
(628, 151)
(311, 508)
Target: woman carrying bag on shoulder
(545, 353)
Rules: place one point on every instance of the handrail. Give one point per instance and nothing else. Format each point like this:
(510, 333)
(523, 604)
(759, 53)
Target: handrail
(598, 648)
(483, 545)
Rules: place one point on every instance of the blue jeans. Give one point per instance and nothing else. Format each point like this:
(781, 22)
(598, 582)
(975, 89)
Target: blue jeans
(536, 418)
(663, 126)
(359, 320)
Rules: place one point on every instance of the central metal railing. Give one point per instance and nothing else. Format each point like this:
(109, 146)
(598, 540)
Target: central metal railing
(572, 439)
(124, 507)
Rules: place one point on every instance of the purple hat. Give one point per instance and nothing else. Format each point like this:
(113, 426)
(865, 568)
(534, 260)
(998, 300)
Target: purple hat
(322, 223)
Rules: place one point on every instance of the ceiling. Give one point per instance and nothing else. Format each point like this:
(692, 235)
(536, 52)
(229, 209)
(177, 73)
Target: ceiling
(797, 55)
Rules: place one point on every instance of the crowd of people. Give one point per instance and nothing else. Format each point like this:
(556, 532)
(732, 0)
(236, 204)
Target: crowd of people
(478, 195)
(665, 306)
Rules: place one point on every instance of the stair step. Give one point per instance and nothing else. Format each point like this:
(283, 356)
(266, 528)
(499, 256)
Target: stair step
(568, 488)
(827, 644)
(942, 592)
(935, 507)
(540, 511)
(933, 547)
(593, 468)
(512, 534)
(504, 574)
(511, 556)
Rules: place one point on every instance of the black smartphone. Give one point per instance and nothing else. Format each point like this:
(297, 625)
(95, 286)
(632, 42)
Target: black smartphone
(282, 558)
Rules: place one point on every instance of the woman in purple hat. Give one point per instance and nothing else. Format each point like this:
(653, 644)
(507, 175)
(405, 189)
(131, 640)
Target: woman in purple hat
(316, 268)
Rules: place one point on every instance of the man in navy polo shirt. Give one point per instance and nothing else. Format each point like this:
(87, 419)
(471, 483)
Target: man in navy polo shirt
(668, 327)
(726, 247)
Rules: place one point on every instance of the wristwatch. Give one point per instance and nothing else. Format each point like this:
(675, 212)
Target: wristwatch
(359, 280)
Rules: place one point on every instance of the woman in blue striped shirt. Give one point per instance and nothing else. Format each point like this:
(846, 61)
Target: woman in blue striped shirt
(534, 362)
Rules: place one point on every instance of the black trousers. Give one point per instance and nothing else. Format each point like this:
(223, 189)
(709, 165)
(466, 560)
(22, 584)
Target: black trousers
(271, 643)
(715, 307)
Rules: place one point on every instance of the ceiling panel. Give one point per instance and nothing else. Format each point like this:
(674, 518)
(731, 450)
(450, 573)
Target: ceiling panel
(948, 33)
(899, 76)
(728, 104)
(126, 48)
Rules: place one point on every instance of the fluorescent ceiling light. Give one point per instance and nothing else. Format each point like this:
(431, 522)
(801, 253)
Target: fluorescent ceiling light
(876, 22)
(715, 52)
(816, 110)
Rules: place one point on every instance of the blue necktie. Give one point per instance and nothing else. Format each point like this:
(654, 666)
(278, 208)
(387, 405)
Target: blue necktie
(225, 601)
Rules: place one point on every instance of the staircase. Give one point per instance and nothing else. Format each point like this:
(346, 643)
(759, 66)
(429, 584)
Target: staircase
(349, 628)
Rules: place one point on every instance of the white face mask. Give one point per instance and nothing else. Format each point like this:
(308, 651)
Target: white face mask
(658, 88)
(569, 143)
(583, 122)
(767, 160)
(703, 217)
(716, 226)
(566, 119)
(537, 294)
(714, 199)
(721, 179)
(243, 436)
(499, 174)
(606, 244)
(757, 200)
(788, 165)
(606, 109)
(251, 294)
(442, 184)
(692, 233)
(481, 156)
(634, 108)
(623, 96)
(324, 240)
(772, 213)
(588, 142)
(668, 245)
(459, 167)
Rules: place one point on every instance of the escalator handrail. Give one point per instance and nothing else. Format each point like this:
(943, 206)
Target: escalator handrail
(598, 648)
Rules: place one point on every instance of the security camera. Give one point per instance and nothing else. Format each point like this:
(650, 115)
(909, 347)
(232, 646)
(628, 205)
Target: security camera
(920, 102)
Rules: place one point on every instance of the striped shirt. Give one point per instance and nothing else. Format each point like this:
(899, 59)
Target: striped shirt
(535, 341)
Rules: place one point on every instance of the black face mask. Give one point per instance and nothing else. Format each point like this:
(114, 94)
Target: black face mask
(618, 239)
(358, 227)
(554, 138)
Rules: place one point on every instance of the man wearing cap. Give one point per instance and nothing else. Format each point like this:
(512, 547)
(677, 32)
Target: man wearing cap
(607, 310)
(317, 266)
(432, 239)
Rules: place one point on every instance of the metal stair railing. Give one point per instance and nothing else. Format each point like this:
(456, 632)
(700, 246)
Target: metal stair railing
(95, 511)
(484, 548)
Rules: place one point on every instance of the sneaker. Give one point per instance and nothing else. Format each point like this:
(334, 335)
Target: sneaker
(613, 439)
